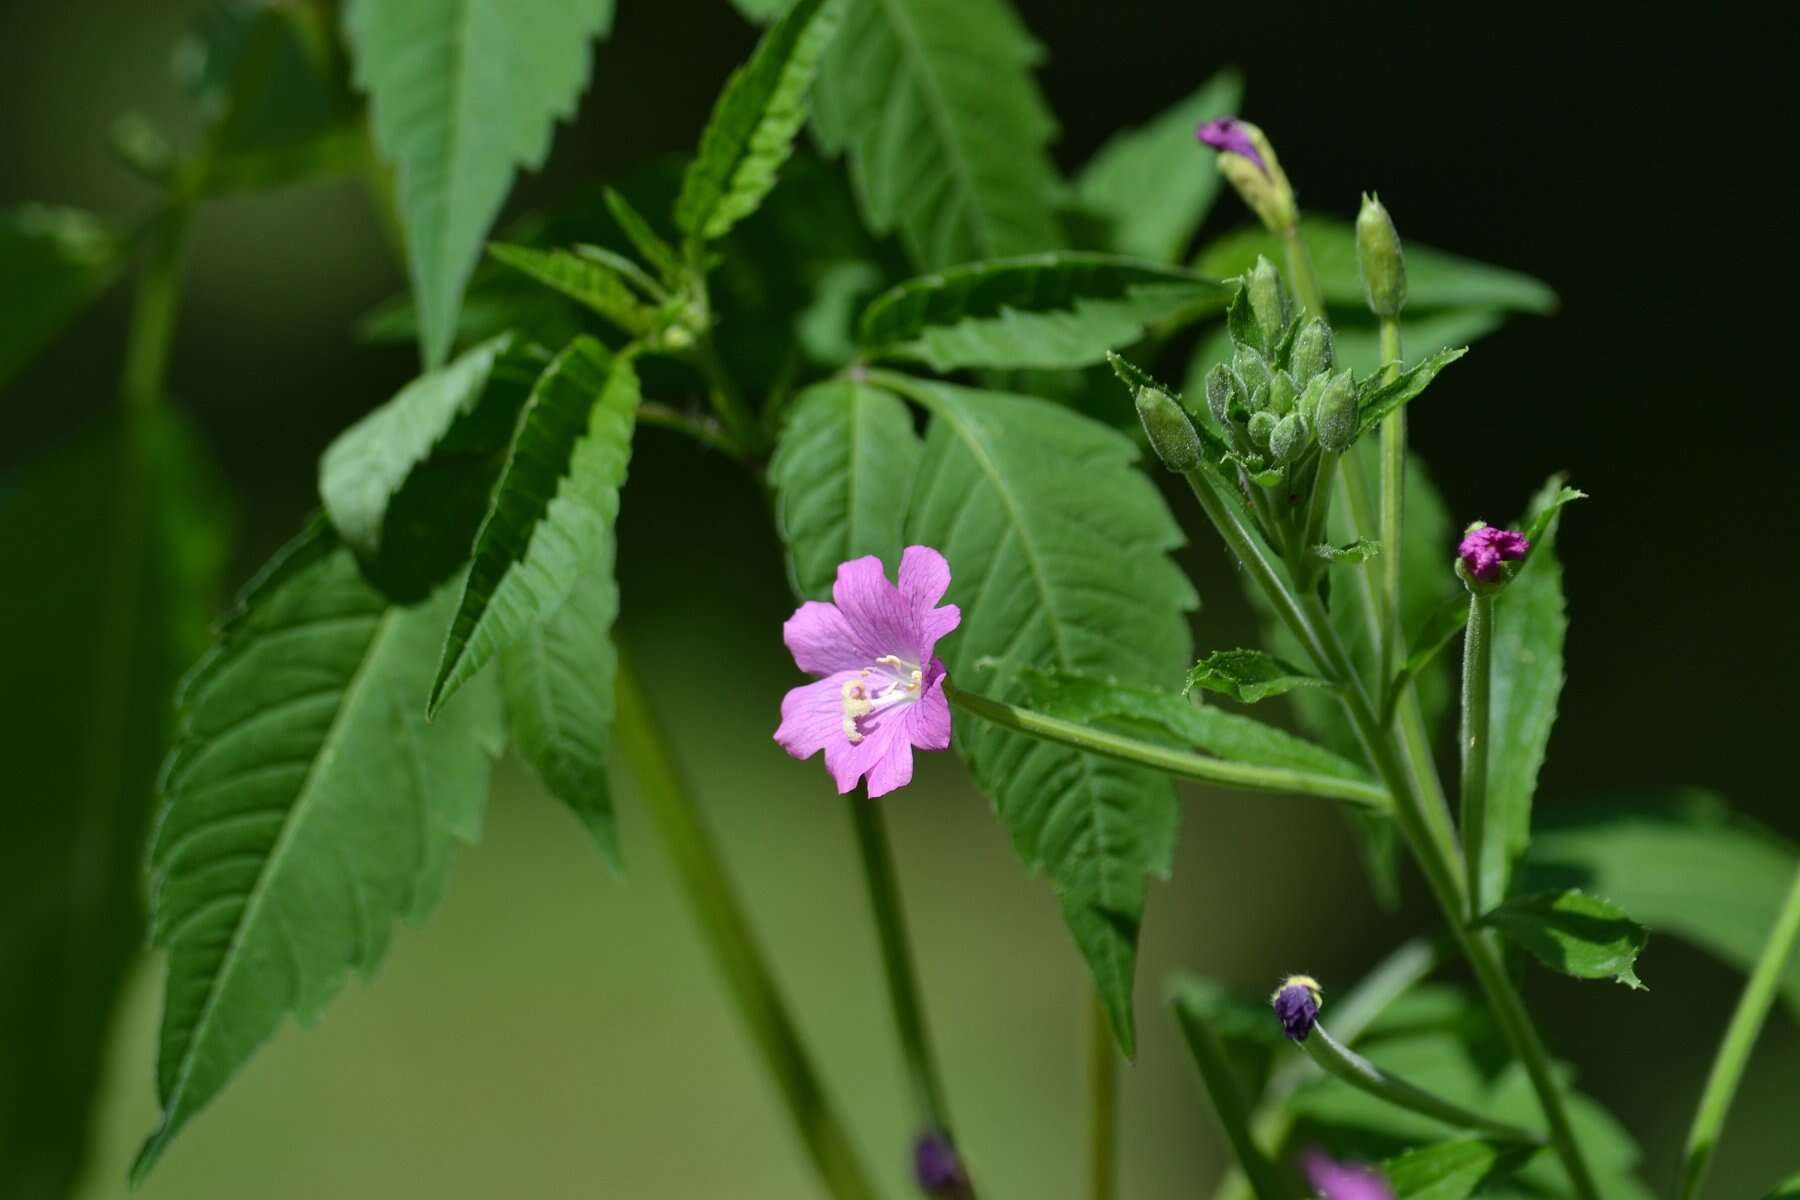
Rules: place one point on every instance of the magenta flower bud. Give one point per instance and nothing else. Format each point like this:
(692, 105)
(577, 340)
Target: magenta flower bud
(1228, 135)
(1297, 1003)
(1343, 1181)
(1484, 548)
(937, 1166)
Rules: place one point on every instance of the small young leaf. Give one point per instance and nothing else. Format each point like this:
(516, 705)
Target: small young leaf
(1057, 310)
(582, 280)
(1149, 186)
(551, 515)
(1545, 508)
(1375, 399)
(644, 238)
(1248, 675)
(1575, 933)
(1451, 1170)
(753, 126)
(1359, 551)
(842, 475)
(55, 262)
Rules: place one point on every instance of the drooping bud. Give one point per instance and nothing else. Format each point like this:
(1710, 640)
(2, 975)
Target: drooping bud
(1336, 416)
(1482, 551)
(1282, 394)
(1288, 441)
(1262, 428)
(1222, 389)
(1248, 162)
(1379, 260)
(937, 1167)
(1171, 434)
(1297, 1002)
(1253, 372)
(1268, 299)
(1314, 353)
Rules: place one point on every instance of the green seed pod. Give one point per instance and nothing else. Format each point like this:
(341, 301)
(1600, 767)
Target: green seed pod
(1262, 427)
(1171, 434)
(1252, 371)
(1282, 394)
(1379, 260)
(1288, 441)
(1268, 299)
(1222, 391)
(1336, 417)
(1314, 351)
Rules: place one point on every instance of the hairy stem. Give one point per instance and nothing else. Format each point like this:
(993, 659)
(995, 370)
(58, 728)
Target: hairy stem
(1265, 1179)
(1393, 507)
(1740, 1038)
(1476, 685)
(667, 797)
(1346, 1064)
(1103, 1105)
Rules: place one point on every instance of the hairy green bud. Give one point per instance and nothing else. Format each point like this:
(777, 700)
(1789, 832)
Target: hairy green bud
(1262, 428)
(1171, 434)
(1269, 301)
(1336, 417)
(1222, 389)
(1252, 371)
(1288, 440)
(1315, 351)
(1282, 394)
(1379, 260)
(1308, 403)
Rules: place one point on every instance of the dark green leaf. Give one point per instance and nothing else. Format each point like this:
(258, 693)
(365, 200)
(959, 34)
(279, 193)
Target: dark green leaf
(112, 549)
(551, 515)
(307, 804)
(1575, 933)
(55, 261)
(946, 131)
(583, 280)
(842, 475)
(1359, 551)
(1450, 1170)
(1077, 580)
(1248, 675)
(1375, 399)
(1065, 309)
(753, 125)
(1149, 185)
(461, 94)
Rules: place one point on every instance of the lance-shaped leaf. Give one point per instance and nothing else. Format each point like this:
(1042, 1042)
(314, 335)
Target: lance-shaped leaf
(1249, 675)
(1451, 1170)
(1575, 933)
(54, 261)
(306, 806)
(842, 476)
(462, 93)
(753, 126)
(551, 515)
(1376, 399)
(944, 125)
(583, 280)
(1064, 309)
(113, 547)
(1149, 186)
(1078, 579)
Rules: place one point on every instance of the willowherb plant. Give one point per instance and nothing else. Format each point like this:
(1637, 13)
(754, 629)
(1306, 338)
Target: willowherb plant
(966, 431)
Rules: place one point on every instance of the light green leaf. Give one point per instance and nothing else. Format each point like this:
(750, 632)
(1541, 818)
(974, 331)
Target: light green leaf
(1376, 399)
(113, 546)
(462, 93)
(1149, 185)
(583, 280)
(1450, 1170)
(551, 515)
(1359, 551)
(1434, 278)
(1078, 580)
(55, 261)
(753, 125)
(1573, 932)
(760, 12)
(1249, 675)
(842, 474)
(1787, 1189)
(1057, 310)
(1681, 863)
(557, 681)
(946, 131)
(307, 804)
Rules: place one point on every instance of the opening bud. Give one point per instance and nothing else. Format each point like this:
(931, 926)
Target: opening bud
(1315, 352)
(1379, 260)
(1482, 553)
(1336, 416)
(1248, 163)
(1171, 434)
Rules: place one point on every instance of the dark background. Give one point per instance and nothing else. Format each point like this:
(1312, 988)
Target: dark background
(1622, 157)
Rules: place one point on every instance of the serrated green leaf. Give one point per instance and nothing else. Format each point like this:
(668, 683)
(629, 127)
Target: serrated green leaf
(1376, 399)
(306, 806)
(842, 474)
(462, 93)
(551, 514)
(583, 280)
(1434, 278)
(55, 262)
(1249, 675)
(1359, 551)
(752, 129)
(1078, 580)
(1057, 310)
(1573, 932)
(1681, 863)
(946, 131)
(1149, 186)
(1450, 1170)
(112, 549)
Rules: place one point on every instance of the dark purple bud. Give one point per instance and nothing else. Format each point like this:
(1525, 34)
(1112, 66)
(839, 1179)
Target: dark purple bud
(1297, 1003)
(1484, 548)
(937, 1167)
(1228, 135)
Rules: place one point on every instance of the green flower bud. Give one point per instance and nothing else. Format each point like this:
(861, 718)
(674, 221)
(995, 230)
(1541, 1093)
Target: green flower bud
(1336, 417)
(1262, 428)
(1308, 404)
(1379, 260)
(1171, 434)
(1222, 391)
(1314, 353)
(1268, 299)
(1253, 372)
(1282, 394)
(1288, 441)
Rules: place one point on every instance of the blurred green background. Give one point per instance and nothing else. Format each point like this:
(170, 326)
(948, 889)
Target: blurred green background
(553, 1031)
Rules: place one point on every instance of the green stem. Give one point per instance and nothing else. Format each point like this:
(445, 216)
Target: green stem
(1318, 506)
(1103, 1105)
(1357, 1071)
(705, 430)
(1181, 763)
(1393, 507)
(1740, 1038)
(153, 310)
(1300, 273)
(1228, 1104)
(727, 401)
(1476, 685)
(666, 795)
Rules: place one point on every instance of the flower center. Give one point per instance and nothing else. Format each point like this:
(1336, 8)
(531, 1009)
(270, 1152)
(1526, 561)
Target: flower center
(892, 680)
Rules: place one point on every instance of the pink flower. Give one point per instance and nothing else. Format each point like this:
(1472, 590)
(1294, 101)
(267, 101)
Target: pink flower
(1484, 548)
(880, 691)
(1344, 1181)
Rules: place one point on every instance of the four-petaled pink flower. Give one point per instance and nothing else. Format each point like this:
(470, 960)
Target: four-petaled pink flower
(881, 691)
